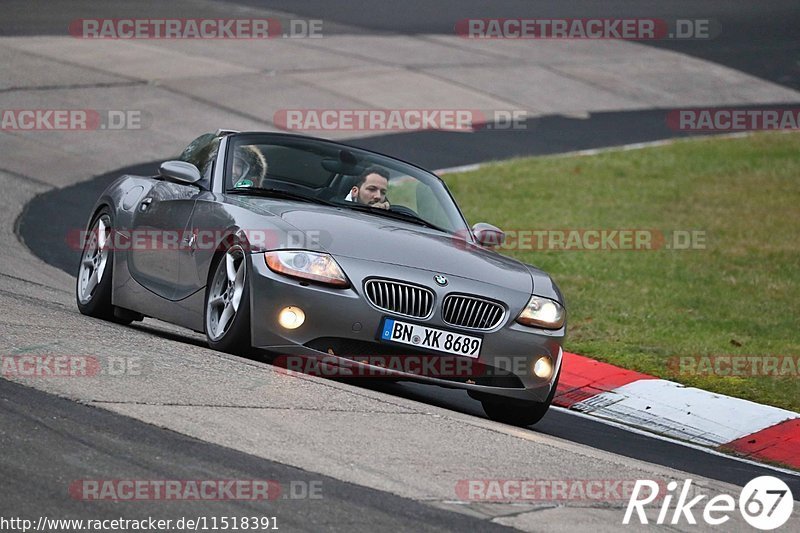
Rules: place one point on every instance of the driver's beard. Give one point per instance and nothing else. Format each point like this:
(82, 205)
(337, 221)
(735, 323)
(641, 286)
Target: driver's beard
(367, 202)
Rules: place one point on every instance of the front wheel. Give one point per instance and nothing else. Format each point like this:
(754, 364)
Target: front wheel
(93, 284)
(227, 303)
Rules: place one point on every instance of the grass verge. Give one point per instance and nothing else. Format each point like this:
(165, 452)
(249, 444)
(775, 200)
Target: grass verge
(722, 279)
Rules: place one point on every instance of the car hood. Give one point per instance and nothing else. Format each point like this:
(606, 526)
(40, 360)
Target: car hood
(348, 233)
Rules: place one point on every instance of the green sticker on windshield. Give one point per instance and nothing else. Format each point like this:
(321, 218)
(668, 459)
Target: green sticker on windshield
(244, 183)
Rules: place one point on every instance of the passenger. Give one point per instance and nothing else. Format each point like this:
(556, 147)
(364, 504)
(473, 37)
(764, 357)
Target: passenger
(249, 167)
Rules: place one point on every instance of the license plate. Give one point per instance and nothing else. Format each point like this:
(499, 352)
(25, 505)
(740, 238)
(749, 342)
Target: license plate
(430, 338)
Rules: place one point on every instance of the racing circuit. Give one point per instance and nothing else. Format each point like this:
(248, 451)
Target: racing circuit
(384, 455)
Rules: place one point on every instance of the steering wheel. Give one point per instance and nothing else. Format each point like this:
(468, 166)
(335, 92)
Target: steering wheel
(403, 210)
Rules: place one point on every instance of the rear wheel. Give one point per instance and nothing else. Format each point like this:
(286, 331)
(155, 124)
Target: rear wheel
(518, 412)
(93, 284)
(227, 304)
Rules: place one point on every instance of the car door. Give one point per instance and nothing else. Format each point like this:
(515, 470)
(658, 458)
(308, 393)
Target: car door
(158, 232)
(205, 228)
(198, 243)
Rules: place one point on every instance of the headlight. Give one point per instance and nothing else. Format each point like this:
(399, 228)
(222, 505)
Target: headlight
(313, 266)
(542, 313)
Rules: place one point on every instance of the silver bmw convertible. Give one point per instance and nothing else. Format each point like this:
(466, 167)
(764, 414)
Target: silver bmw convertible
(326, 256)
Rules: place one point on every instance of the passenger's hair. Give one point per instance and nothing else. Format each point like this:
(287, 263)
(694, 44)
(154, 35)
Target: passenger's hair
(374, 169)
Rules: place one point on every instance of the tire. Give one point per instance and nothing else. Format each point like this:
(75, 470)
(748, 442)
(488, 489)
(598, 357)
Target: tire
(228, 293)
(518, 412)
(94, 280)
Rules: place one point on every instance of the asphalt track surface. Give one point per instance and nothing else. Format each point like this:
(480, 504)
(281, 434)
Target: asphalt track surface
(760, 38)
(757, 40)
(99, 444)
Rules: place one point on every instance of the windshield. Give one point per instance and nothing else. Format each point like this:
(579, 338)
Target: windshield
(340, 175)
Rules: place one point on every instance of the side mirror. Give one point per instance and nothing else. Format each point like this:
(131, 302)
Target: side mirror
(179, 171)
(488, 235)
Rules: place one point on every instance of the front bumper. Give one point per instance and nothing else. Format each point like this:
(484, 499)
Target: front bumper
(339, 318)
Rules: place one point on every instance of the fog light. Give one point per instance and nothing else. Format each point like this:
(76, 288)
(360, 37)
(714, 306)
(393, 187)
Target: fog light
(543, 367)
(291, 317)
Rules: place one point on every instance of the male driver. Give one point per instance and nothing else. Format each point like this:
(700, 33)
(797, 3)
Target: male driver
(370, 188)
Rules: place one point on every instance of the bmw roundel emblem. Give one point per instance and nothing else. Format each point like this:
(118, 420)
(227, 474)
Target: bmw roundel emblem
(440, 280)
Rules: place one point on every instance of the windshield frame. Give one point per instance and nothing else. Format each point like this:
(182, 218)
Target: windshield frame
(237, 139)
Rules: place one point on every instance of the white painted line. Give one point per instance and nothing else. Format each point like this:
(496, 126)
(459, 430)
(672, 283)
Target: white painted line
(651, 144)
(671, 440)
(619, 148)
(455, 170)
(686, 413)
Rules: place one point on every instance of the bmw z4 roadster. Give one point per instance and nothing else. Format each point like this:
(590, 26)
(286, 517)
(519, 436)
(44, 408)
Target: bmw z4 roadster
(317, 251)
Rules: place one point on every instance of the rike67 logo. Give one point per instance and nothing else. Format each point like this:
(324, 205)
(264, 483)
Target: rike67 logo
(766, 503)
